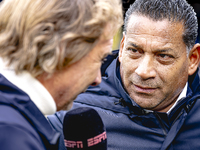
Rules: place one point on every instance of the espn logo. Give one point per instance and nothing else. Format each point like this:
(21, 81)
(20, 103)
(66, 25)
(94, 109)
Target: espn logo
(90, 142)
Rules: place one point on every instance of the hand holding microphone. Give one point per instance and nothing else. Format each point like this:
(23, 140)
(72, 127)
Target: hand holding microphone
(84, 130)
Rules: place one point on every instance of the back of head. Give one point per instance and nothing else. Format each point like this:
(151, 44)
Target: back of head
(42, 36)
(172, 10)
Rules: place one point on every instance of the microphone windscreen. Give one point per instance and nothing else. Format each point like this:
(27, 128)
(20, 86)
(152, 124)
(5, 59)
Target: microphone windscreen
(84, 130)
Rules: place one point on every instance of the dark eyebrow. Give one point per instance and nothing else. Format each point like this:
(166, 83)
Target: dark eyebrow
(134, 45)
(164, 50)
(158, 50)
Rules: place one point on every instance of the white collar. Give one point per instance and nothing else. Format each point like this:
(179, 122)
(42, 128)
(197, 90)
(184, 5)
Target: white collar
(183, 94)
(30, 85)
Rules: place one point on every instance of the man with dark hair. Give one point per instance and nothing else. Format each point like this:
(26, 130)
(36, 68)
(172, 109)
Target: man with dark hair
(149, 97)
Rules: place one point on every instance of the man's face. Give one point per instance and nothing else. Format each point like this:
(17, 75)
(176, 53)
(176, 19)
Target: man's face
(65, 85)
(154, 62)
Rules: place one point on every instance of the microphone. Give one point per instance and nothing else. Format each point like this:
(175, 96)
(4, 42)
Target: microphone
(84, 130)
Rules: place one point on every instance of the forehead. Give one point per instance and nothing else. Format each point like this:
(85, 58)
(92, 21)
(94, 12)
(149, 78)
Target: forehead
(148, 29)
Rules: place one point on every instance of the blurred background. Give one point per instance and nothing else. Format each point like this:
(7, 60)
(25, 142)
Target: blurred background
(127, 3)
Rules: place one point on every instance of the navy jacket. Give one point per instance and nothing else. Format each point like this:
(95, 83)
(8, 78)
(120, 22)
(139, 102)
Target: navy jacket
(129, 127)
(22, 125)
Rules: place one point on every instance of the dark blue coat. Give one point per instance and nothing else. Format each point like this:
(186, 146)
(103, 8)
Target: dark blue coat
(22, 125)
(129, 127)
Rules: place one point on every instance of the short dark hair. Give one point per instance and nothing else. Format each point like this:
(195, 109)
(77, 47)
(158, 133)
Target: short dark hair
(173, 10)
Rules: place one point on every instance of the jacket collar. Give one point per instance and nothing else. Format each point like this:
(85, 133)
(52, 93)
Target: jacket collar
(18, 99)
(194, 83)
(30, 85)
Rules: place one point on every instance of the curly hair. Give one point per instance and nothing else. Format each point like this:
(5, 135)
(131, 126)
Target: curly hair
(42, 36)
(173, 10)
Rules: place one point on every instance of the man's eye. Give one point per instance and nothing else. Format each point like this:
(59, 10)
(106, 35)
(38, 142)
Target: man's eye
(133, 50)
(165, 58)
(134, 53)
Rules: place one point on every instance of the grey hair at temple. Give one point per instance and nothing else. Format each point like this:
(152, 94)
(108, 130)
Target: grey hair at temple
(173, 10)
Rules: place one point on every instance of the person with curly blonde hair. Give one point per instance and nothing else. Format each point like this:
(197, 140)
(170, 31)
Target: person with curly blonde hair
(50, 50)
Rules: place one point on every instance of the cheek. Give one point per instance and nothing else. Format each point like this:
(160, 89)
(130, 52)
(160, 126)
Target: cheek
(174, 77)
(182, 74)
(127, 69)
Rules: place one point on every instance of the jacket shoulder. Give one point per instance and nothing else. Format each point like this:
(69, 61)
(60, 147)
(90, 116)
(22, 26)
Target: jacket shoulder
(16, 132)
(104, 102)
(108, 61)
(10, 115)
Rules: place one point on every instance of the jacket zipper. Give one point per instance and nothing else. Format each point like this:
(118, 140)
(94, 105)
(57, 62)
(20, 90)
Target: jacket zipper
(161, 123)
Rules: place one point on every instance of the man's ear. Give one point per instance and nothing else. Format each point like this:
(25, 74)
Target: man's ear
(121, 47)
(194, 59)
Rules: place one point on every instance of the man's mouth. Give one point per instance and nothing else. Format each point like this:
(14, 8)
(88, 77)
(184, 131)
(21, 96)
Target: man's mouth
(144, 89)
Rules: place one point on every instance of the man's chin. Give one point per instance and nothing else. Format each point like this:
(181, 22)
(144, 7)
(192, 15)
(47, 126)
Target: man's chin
(67, 106)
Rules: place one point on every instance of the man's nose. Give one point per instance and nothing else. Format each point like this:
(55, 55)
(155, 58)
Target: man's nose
(97, 80)
(146, 68)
